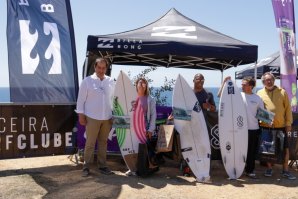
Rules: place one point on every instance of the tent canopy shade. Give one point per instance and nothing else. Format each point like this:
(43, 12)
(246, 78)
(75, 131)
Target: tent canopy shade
(172, 41)
(268, 64)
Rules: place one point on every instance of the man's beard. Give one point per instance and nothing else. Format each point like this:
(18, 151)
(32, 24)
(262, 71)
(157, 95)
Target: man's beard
(270, 88)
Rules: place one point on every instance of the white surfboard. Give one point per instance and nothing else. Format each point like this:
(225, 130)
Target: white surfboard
(189, 121)
(233, 131)
(124, 100)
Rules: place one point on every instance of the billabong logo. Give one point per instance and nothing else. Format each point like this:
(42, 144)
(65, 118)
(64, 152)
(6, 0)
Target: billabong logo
(105, 43)
(274, 69)
(28, 42)
(175, 31)
(240, 121)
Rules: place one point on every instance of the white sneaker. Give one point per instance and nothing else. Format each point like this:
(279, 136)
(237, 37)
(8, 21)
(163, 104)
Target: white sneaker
(251, 175)
(130, 173)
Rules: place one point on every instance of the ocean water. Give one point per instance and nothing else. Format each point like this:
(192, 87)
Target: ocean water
(213, 90)
(4, 94)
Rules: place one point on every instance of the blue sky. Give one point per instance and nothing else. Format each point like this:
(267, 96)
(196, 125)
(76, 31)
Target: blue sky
(251, 21)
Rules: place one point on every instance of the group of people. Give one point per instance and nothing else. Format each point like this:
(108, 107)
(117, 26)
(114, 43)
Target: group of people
(94, 108)
(273, 99)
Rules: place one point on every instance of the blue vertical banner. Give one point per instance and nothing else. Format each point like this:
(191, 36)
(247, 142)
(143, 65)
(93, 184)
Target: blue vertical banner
(285, 24)
(41, 52)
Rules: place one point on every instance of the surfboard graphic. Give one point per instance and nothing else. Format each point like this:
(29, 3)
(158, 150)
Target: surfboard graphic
(190, 123)
(124, 100)
(139, 127)
(233, 131)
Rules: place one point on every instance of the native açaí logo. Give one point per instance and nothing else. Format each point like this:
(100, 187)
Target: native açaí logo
(31, 36)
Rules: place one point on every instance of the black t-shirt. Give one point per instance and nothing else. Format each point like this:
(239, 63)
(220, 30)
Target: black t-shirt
(204, 96)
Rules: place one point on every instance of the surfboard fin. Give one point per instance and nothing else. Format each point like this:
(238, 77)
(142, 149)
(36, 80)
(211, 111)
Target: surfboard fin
(204, 179)
(235, 172)
(225, 160)
(244, 159)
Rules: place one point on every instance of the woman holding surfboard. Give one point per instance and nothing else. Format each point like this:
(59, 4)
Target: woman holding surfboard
(144, 117)
(148, 104)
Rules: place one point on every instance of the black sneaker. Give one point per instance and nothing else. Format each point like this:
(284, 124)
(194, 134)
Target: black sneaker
(268, 173)
(106, 171)
(85, 172)
(287, 174)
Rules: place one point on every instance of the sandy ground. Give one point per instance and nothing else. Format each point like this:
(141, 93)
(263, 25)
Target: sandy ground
(59, 177)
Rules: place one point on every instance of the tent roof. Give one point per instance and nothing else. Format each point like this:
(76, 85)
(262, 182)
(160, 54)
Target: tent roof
(268, 64)
(173, 41)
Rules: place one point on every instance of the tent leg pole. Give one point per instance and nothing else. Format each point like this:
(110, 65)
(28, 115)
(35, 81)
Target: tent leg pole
(86, 65)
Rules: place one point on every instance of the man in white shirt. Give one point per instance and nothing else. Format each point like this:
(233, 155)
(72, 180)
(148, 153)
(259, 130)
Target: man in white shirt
(94, 108)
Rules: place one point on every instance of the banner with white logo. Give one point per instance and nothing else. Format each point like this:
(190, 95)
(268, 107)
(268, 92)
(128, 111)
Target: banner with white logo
(41, 51)
(37, 130)
(285, 24)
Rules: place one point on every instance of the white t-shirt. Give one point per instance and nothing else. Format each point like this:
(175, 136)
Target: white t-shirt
(95, 97)
(252, 102)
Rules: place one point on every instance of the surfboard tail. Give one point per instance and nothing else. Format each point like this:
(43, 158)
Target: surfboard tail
(131, 161)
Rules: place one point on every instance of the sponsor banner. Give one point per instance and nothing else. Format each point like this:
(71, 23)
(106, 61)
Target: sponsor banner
(41, 51)
(161, 116)
(212, 126)
(293, 138)
(285, 24)
(37, 130)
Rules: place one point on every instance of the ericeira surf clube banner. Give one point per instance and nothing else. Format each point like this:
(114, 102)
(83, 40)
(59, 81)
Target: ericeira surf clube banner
(41, 51)
(285, 24)
(27, 131)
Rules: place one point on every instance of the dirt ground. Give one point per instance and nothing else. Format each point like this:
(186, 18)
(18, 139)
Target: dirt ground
(59, 177)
